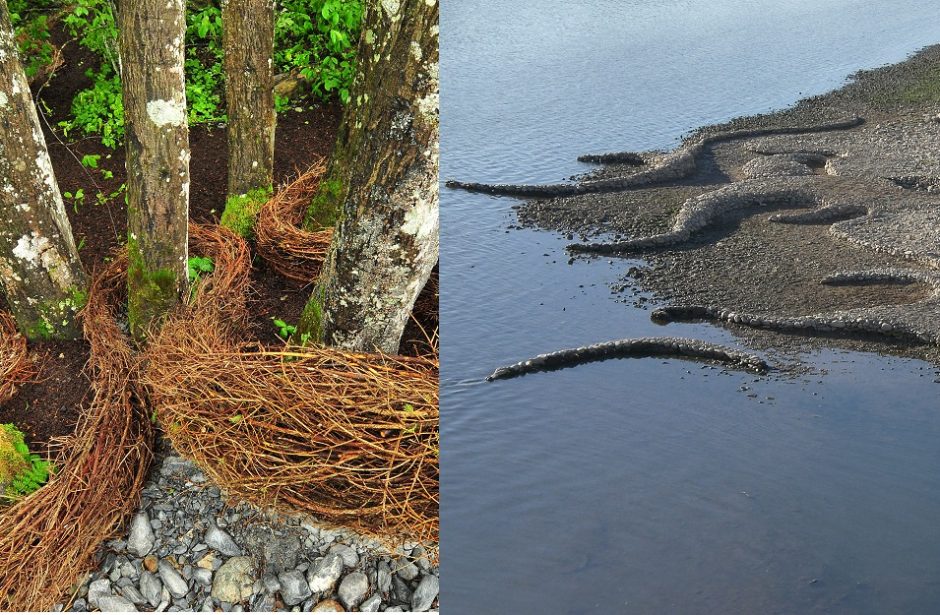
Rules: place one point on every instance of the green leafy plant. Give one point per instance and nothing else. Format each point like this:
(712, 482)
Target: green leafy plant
(284, 330)
(198, 265)
(21, 472)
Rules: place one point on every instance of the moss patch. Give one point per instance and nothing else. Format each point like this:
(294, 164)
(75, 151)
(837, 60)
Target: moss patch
(241, 211)
(326, 207)
(310, 327)
(21, 472)
(151, 292)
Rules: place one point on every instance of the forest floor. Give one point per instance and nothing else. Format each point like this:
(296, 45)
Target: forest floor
(49, 406)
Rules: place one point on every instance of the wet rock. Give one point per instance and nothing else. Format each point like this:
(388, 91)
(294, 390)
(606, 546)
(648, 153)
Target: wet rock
(172, 581)
(353, 589)
(234, 580)
(425, 593)
(221, 541)
(141, 537)
(326, 573)
(294, 587)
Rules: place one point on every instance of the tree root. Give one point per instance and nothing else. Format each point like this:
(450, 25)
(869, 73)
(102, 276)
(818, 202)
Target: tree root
(681, 348)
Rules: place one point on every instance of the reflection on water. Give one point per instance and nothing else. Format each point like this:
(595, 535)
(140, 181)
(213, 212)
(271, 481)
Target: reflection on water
(644, 485)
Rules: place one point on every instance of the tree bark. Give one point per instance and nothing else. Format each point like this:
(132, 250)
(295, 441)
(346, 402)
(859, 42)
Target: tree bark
(387, 240)
(152, 33)
(248, 42)
(40, 270)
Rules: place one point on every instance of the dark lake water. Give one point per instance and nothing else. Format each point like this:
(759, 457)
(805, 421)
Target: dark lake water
(637, 485)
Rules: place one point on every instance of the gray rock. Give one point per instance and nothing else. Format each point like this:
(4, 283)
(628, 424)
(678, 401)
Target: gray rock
(349, 555)
(401, 589)
(394, 609)
(294, 587)
(220, 540)
(130, 592)
(79, 605)
(425, 593)
(116, 604)
(97, 590)
(420, 557)
(407, 570)
(234, 580)
(172, 580)
(203, 576)
(262, 603)
(353, 589)
(372, 604)
(207, 605)
(151, 588)
(383, 574)
(271, 584)
(140, 538)
(325, 574)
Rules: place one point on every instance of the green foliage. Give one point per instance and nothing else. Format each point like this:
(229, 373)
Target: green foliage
(27, 471)
(284, 330)
(31, 23)
(326, 206)
(315, 39)
(198, 265)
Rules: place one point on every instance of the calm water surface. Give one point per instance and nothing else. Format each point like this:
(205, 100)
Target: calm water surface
(646, 486)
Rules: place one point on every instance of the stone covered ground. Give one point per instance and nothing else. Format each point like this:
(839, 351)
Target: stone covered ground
(882, 177)
(187, 549)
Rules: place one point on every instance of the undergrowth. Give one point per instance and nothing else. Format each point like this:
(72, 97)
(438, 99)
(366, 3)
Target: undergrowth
(315, 41)
(21, 472)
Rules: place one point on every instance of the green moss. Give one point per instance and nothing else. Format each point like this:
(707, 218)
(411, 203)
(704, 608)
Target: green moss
(241, 211)
(57, 318)
(327, 205)
(310, 326)
(925, 89)
(151, 292)
(21, 472)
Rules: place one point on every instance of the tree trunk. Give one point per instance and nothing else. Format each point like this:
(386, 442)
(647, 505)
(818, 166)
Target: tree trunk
(151, 43)
(248, 42)
(40, 270)
(387, 241)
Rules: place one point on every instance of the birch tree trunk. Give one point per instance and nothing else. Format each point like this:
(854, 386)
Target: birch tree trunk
(248, 43)
(152, 33)
(387, 240)
(40, 270)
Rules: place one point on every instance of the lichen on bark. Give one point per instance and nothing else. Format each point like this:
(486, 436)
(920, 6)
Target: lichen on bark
(382, 182)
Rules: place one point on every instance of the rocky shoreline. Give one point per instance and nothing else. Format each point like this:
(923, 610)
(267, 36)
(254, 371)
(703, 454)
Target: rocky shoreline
(849, 179)
(187, 549)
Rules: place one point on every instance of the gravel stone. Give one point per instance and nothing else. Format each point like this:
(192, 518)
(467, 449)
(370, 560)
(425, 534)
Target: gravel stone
(371, 604)
(97, 590)
(294, 587)
(151, 588)
(326, 573)
(328, 606)
(353, 589)
(234, 580)
(349, 555)
(221, 541)
(425, 593)
(116, 604)
(141, 537)
(172, 580)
